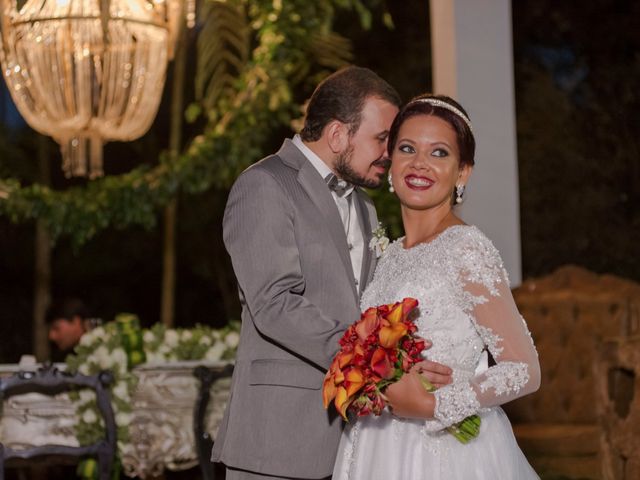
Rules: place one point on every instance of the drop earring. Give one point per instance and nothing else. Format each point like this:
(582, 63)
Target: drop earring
(459, 193)
(391, 189)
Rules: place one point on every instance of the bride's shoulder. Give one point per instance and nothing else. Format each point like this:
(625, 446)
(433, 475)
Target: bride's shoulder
(469, 234)
(476, 259)
(462, 244)
(471, 246)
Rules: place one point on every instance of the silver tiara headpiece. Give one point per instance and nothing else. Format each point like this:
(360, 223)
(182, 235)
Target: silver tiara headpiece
(447, 106)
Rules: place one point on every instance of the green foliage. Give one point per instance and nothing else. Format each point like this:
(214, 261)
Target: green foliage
(245, 99)
(222, 52)
(193, 343)
(388, 209)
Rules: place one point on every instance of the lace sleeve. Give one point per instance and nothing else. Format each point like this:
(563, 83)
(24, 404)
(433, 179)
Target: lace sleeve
(491, 306)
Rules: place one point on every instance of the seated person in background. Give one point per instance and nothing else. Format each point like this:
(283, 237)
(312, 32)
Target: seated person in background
(68, 320)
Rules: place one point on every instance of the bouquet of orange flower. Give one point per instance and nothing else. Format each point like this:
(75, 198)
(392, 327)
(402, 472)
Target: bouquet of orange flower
(374, 353)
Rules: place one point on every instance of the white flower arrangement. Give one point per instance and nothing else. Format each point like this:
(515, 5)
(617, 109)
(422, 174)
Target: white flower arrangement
(379, 241)
(163, 344)
(105, 348)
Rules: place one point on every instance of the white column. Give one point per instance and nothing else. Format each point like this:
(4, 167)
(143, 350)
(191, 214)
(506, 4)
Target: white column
(472, 58)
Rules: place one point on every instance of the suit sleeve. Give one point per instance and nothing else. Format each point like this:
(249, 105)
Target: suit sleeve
(258, 231)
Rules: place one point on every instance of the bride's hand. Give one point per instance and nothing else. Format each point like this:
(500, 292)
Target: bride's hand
(409, 398)
(439, 375)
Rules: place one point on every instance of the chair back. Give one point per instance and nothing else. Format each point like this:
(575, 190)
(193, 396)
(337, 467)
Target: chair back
(618, 386)
(49, 380)
(569, 313)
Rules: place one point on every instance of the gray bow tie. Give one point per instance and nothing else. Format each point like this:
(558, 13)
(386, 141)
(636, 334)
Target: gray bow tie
(336, 185)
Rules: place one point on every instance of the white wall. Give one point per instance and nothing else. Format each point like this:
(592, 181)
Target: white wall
(472, 58)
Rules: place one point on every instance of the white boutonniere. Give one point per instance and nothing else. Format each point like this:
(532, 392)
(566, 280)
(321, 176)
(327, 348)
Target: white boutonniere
(379, 242)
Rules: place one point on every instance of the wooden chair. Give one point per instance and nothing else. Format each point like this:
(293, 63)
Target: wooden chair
(617, 373)
(204, 442)
(569, 313)
(50, 381)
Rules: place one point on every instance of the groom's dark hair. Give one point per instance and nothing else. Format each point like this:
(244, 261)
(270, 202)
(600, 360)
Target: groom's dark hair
(341, 96)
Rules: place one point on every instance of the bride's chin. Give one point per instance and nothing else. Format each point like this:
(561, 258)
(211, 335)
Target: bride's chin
(416, 207)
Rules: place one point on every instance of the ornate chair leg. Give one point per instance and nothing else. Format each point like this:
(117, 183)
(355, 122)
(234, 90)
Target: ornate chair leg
(204, 442)
(1, 462)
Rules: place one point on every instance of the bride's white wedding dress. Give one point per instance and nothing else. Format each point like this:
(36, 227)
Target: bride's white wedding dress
(465, 307)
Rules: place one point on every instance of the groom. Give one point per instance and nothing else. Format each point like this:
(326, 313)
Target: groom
(297, 226)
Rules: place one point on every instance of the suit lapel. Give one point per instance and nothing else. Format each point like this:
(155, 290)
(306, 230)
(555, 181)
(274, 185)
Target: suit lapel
(316, 188)
(367, 225)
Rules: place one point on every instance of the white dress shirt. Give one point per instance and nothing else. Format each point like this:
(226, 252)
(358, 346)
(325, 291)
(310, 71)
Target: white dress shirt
(347, 209)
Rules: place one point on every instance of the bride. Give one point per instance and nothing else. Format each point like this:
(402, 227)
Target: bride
(466, 308)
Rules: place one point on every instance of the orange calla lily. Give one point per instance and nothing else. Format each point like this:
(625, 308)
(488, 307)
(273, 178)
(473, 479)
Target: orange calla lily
(359, 350)
(329, 391)
(395, 314)
(381, 364)
(335, 363)
(408, 304)
(354, 381)
(342, 401)
(368, 323)
(344, 359)
(390, 335)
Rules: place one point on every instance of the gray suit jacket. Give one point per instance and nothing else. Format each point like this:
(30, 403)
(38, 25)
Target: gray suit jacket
(289, 252)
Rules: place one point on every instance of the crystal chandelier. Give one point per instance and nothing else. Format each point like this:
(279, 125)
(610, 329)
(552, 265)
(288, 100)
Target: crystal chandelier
(86, 72)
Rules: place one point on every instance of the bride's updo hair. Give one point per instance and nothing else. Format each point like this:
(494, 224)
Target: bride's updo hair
(448, 110)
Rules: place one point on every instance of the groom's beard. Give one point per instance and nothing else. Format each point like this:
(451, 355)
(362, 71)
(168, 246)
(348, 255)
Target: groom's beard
(345, 172)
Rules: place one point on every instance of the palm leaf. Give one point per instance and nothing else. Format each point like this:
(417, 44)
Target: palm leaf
(328, 50)
(222, 50)
(331, 50)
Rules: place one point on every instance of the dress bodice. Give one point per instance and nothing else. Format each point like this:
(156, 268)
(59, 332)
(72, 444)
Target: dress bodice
(430, 272)
(465, 307)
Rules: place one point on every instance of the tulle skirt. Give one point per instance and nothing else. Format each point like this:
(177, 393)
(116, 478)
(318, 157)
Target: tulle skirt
(388, 448)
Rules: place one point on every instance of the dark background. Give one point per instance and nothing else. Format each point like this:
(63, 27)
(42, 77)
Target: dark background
(577, 66)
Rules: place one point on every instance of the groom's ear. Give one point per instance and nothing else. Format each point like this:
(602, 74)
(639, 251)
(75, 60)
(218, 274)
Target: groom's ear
(337, 135)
